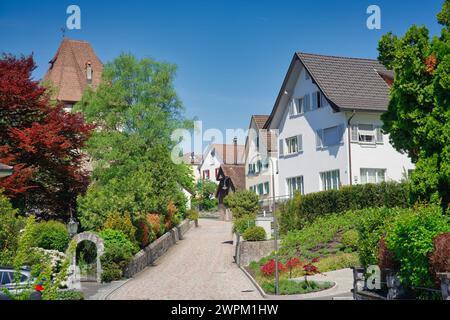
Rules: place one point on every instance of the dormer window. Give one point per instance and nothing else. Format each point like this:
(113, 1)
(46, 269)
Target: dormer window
(89, 72)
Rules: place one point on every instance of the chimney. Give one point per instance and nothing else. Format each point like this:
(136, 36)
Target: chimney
(235, 151)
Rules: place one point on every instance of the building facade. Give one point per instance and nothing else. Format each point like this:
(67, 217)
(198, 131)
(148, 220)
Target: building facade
(329, 128)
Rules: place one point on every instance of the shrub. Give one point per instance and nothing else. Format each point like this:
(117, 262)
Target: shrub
(385, 257)
(296, 213)
(411, 237)
(170, 216)
(338, 261)
(254, 234)
(243, 202)
(144, 233)
(350, 239)
(243, 223)
(204, 200)
(51, 235)
(155, 221)
(119, 251)
(440, 257)
(122, 222)
(193, 215)
(371, 227)
(268, 269)
(70, 295)
(289, 287)
(10, 226)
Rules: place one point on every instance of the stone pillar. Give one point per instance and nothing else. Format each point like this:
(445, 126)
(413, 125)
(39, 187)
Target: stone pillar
(445, 285)
(394, 285)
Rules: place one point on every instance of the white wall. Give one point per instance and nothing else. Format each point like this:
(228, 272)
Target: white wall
(251, 156)
(311, 161)
(210, 163)
(377, 156)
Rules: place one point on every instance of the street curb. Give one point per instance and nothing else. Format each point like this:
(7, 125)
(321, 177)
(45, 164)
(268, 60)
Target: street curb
(106, 297)
(255, 284)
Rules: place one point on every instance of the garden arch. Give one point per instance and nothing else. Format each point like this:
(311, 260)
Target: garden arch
(100, 245)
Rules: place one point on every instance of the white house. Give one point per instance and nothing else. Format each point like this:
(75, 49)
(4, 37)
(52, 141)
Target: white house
(193, 161)
(328, 119)
(260, 156)
(216, 155)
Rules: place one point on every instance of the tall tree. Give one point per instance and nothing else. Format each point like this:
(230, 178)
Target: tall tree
(41, 142)
(136, 110)
(418, 116)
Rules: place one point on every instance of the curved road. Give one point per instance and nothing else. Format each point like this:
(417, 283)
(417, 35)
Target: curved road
(200, 267)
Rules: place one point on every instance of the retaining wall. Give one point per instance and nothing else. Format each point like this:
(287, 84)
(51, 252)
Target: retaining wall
(156, 249)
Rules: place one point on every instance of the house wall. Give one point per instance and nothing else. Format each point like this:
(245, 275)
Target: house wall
(251, 156)
(377, 156)
(310, 162)
(211, 163)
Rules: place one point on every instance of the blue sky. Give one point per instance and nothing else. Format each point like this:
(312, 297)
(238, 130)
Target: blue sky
(232, 56)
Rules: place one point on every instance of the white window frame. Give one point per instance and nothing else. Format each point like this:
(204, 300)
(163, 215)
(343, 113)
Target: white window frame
(298, 143)
(330, 180)
(359, 135)
(364, 172)
(320, 137)
(299, 185)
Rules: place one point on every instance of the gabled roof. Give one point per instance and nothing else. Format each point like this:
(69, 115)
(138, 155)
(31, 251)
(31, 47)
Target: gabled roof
(236, 173)
(227, 150)
(187, 159)
(347, 83)
(67, 71)
(260, 120)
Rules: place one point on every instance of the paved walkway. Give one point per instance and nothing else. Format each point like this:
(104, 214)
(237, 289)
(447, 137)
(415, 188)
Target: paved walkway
(200, 267)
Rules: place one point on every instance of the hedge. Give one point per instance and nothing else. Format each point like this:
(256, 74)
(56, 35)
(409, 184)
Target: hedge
(296, 213)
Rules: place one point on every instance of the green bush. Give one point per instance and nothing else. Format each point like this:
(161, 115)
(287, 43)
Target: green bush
(243, 223)
(69, 295)
(350, 239)
(119, 251)
(10, 226)
(410, 238)
(254, 234)
(371, 226)
(122, 222)
(289, 287)
(242, 203)
(193, 215)
(51, 235)
(296, 213)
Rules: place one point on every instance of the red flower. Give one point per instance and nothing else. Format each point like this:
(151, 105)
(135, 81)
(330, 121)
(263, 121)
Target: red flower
(269, 268)
(315, 260)
(294, 263)
(310, 269)
(39, 288)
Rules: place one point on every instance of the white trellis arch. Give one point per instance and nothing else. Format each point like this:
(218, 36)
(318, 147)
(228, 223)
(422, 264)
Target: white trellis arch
(92, 237)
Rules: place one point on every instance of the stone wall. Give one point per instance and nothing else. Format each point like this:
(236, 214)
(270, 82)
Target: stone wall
(156, 249)
(248, 251)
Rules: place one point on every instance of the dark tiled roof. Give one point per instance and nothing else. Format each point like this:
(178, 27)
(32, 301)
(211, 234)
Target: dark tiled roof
(349, 83)
(237, 175)
(67, 71)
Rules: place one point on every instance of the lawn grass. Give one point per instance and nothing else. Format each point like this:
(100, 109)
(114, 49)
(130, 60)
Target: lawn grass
(289, 287)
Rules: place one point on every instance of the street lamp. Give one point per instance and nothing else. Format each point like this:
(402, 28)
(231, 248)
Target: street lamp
(72, 225)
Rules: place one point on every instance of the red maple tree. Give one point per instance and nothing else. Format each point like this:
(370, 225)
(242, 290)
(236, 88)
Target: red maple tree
(41, 142)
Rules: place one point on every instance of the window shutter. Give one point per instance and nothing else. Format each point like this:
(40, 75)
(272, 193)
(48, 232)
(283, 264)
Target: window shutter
(300, 143)
(319, 139)
(355, 133)
(307, 103)
(281, 147)
(314, 101)
(379, 133)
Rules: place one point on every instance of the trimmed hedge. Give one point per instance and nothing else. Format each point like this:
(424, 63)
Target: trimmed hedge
(296, 213)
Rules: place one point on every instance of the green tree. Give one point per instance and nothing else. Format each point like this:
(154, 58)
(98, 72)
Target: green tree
(136, 110)
(418, 116)
(243, 202)
(205, 192)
